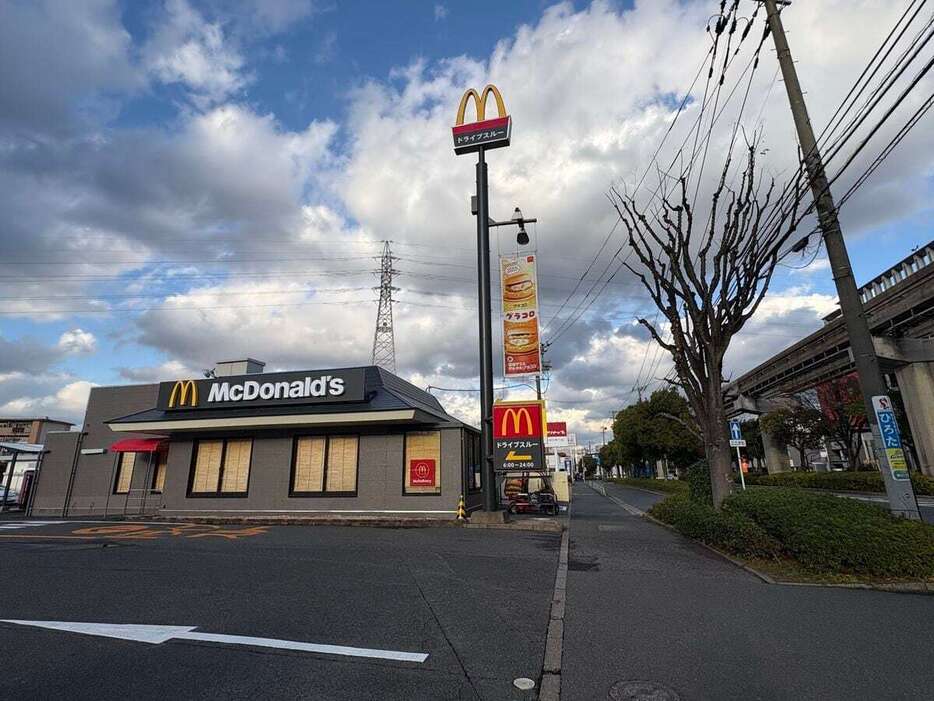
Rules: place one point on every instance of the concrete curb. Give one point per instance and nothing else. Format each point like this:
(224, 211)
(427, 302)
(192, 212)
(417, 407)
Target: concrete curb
(923, 500)
(897, 588)
(543, 526)
(550, 687)
(644, 489)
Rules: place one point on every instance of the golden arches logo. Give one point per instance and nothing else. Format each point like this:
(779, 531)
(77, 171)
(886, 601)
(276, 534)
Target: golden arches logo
(480, 102)
(517, 415)
(184, 392)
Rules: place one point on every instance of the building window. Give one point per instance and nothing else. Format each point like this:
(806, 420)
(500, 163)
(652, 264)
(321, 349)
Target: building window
(158, 475)
(472, 461)
(221, 467)
(124, 473)
(422, 463)
(325, 466)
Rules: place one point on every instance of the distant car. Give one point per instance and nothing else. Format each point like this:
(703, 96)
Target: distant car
(11, 497)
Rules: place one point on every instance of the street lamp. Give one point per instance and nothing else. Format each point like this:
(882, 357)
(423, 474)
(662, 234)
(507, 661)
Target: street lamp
(522, 238)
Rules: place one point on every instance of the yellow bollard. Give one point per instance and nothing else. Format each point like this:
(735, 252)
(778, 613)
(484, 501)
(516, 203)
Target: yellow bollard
(461, 510)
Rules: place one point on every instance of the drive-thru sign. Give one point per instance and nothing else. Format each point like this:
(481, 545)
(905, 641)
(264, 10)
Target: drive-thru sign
(519, 436)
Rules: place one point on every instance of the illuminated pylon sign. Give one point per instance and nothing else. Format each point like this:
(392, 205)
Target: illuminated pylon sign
(484, 133)
(519, 436)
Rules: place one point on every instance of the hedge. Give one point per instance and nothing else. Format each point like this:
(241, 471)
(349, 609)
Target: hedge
(668, 486)
(823, 533)
(836, 534)
(728, 530)
(840, 481)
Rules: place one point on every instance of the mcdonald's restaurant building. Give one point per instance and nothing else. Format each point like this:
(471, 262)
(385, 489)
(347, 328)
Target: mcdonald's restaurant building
(350, 441)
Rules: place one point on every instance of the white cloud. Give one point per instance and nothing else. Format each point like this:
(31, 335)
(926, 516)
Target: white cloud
(68, 402)
(169, 370)
(441, 11)
(187, 49)
(56, 61)
(77, 341)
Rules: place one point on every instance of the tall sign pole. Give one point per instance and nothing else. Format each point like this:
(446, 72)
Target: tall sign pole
(486, 333)
(897, 484)
(480, 136)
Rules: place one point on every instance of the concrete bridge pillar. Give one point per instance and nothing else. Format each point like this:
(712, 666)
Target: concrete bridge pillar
(916, 382)
(776, 455)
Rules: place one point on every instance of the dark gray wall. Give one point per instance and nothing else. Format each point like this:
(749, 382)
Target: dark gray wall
(91, 492)
(49, 495)
(379, 480)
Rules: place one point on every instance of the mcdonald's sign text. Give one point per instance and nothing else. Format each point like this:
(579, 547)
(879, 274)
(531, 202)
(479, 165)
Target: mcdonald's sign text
(483, 133)
(263, 390)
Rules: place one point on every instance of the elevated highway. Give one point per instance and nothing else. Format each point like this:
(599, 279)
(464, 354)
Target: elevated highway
(899, 305)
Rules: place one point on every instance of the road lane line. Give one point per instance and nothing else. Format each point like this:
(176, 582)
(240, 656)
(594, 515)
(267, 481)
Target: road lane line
(304, 647)
(156, 634)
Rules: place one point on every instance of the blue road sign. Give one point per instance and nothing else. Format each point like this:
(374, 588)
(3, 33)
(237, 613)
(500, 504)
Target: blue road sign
(736, 434)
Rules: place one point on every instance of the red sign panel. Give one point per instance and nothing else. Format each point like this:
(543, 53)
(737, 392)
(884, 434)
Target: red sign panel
(422, 473)
(517, 420)
(557, 429)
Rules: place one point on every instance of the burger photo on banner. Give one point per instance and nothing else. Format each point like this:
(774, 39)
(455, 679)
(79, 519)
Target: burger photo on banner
(521, 343)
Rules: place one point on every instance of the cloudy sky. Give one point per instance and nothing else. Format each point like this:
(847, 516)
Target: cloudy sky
(186, 181)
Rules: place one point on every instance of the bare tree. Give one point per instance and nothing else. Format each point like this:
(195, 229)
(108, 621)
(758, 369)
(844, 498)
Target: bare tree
(707, 282)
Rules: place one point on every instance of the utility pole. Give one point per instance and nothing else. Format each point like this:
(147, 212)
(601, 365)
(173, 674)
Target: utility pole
(900, 493)
(384, 345)
(538, 377)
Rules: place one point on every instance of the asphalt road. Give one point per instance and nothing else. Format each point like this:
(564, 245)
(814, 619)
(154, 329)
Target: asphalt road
(645, 604)
(476, 601)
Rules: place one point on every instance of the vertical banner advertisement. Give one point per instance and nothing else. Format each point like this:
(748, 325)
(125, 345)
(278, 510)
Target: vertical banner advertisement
(891, 437)
(521, 341)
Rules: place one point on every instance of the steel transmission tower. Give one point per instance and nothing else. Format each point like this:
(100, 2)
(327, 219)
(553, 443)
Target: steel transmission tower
(384, 346)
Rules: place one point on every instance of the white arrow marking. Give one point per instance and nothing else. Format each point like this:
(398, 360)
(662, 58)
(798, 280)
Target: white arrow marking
(160, 634)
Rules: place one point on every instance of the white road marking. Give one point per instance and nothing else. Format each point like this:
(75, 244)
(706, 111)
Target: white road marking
(629, 509)
(16, 525)
(161, 634)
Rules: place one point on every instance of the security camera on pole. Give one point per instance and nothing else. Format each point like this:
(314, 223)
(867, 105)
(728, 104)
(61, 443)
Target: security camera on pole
(480, 136)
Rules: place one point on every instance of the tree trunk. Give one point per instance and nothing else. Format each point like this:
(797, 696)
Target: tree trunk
(804, 458)
(719, 453)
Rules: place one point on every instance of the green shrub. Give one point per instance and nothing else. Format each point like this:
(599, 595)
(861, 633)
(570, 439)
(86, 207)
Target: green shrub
(839, 481)
(668, 486)
(728, 530)
(835, 534)
(699, 483)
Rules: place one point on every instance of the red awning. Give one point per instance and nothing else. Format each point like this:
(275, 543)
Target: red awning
(137, 445)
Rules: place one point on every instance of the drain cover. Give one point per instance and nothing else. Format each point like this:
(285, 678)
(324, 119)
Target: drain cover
(638, 690)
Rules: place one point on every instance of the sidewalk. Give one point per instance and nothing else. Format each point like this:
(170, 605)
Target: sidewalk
(644, 604)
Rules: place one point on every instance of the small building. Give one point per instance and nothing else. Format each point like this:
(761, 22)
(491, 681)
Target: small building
(29, 430)
(23, 432)
(349, 441)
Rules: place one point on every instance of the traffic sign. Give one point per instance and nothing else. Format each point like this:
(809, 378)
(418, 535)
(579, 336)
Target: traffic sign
(736, 435)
